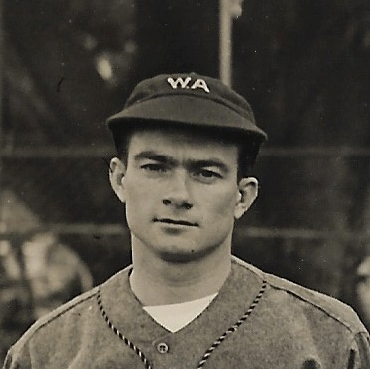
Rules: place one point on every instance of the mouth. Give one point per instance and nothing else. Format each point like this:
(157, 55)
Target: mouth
(180, 222)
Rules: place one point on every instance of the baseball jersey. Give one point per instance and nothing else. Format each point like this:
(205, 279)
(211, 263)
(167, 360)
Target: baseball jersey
(257, 321)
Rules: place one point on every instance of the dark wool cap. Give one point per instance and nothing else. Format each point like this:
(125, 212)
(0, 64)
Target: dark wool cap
(188, 99)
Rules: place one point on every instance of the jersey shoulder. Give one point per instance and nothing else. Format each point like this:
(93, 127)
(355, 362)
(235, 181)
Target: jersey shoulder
(63, 322)
(332, 307)
(58, 313)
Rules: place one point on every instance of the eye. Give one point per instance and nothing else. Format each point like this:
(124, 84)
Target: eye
(207, 175)
(154, 167)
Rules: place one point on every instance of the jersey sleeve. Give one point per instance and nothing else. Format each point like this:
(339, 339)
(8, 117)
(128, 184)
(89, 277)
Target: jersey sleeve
(359, 355)
(8, 361)
(17, 359)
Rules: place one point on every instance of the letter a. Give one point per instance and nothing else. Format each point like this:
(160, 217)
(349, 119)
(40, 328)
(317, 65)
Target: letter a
(200, 83)
(183, 84)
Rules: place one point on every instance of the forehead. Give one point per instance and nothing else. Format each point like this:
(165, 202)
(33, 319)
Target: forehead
(175, 141)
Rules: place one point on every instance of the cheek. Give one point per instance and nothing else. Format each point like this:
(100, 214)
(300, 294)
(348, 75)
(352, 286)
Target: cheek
(136, 197)
(141, 196)
(221, 203)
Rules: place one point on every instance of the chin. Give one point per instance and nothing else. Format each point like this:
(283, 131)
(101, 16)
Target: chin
(184, 256)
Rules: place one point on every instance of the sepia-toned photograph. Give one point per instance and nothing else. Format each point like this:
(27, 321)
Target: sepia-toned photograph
(184, 184)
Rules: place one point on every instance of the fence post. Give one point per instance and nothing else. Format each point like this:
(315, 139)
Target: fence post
(225, 42)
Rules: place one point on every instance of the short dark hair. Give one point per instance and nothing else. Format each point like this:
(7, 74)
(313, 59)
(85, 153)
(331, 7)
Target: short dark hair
(248, 145)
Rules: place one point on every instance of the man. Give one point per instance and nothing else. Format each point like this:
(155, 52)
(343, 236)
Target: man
(185, 143)
(363, 290)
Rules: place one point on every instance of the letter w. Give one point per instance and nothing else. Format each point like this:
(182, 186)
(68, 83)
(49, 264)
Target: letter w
(175, 83)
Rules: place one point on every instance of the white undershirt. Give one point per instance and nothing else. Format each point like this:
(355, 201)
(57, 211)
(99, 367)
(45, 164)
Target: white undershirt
(176, 316)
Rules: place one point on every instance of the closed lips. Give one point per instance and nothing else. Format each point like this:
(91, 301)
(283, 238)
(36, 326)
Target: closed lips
(178, 222)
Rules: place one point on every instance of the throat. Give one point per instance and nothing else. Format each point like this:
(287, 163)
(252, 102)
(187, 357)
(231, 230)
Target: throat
(177, 283)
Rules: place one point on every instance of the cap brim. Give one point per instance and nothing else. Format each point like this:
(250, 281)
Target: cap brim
(187, 110)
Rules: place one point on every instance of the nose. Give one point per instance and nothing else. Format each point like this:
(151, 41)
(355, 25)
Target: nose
(177, 192)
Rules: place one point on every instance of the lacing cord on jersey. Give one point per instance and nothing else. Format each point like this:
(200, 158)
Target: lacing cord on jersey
(233, 328)
(207, 354)
(121, 336)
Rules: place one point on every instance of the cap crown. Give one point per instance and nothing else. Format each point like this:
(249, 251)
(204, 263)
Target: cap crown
(189, 98)
(190, 84)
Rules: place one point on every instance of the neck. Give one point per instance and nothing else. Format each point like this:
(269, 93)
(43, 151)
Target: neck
(155, 281)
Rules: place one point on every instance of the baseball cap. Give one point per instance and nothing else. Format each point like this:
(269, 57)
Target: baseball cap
(187, 99)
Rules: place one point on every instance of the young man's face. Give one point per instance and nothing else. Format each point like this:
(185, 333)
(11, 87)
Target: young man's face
(181, 193)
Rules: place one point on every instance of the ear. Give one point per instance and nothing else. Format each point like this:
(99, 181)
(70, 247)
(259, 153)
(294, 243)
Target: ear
(248, 191)
(117, 171)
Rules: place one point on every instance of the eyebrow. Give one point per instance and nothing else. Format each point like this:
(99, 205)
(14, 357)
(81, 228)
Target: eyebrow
(194, 163)
(154, 156)
(209, 163)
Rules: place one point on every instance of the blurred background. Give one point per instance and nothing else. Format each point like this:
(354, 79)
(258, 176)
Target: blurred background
(66, 65)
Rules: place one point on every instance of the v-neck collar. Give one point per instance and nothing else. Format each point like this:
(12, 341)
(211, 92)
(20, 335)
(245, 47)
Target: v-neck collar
(125, 311)
(176, 316)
